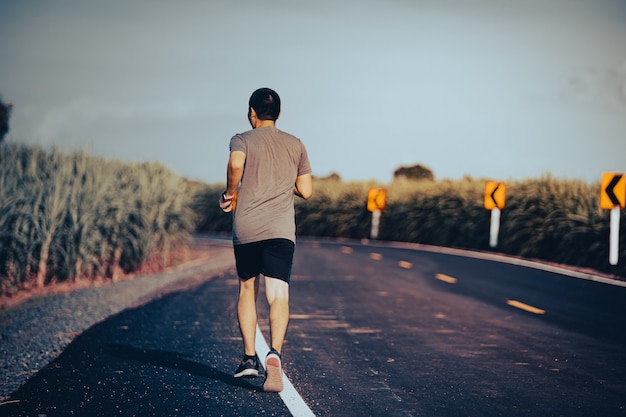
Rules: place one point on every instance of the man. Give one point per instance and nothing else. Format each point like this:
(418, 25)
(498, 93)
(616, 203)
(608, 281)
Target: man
(266, 168)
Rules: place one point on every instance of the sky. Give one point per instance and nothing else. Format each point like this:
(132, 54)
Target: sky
(496, 89)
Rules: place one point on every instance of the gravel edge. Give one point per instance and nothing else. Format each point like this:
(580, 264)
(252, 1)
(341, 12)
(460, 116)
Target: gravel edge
(35, 333)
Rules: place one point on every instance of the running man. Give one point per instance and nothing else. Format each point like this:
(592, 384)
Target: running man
(266, 169)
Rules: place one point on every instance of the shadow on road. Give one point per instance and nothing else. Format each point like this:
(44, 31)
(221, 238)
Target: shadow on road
(176, 360)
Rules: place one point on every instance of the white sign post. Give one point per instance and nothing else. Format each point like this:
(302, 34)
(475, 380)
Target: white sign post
(494, 230)
(375, 224)
(614, 236)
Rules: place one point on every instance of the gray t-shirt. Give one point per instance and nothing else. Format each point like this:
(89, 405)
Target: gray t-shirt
(274, 159)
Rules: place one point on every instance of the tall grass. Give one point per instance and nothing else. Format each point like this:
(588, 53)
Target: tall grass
(66, 217)
(545, 218)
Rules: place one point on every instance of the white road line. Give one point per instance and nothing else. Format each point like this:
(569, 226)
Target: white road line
(289, 395)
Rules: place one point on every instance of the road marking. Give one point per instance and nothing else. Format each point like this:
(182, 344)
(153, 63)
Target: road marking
(363, 330)
(289, 395)
(311, 317)
(405, 264)
(525, 307)
(346, 249)
(376, 256)
(446, 278)
(499, 258)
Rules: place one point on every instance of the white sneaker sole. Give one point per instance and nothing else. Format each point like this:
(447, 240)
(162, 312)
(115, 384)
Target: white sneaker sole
(273, 374)
(247, 373)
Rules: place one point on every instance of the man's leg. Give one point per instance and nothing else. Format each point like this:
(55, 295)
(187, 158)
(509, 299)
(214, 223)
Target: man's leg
(246, 313)
(277, 292)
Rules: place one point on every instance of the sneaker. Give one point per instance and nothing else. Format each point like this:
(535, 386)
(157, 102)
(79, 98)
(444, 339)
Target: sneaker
(273, 372)
(248, 368)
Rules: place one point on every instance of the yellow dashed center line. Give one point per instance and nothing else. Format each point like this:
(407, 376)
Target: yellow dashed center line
(346, 249)
(405, 264)
(446, 278)
(363, 330)
(525, 307)
(376, 256)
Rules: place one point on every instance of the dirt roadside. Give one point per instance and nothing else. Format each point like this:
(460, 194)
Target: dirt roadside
(40, 326)
(200, 251)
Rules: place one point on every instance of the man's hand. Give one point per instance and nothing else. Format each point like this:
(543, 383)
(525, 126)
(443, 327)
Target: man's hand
(226, 203)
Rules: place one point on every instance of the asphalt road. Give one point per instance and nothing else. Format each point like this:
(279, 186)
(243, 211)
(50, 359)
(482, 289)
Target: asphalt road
(375, 331)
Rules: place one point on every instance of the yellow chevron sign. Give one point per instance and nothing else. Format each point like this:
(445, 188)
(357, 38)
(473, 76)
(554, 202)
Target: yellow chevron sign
(376, 199)
(613, 190)
(495, 195)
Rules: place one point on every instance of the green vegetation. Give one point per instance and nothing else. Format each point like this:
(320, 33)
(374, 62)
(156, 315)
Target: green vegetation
(69, 217)
(549, 219)
(74, 217)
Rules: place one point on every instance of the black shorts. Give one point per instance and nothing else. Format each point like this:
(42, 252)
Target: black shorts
(272, 258)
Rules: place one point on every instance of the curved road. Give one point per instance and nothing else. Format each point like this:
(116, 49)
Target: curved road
(376, 330)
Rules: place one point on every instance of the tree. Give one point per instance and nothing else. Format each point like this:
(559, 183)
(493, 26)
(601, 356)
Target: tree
(332, 177)
(5, 112)
(416, 172)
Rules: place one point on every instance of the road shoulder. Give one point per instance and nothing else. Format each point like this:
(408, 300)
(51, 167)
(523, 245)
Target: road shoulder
(38, 330)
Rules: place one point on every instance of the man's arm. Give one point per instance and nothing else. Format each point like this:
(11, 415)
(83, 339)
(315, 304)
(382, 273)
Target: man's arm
(234, 173)
(304, 186)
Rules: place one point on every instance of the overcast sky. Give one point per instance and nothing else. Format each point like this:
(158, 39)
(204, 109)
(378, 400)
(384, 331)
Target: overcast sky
(500, 89)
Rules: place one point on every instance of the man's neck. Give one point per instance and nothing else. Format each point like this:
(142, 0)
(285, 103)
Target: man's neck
(263, 123)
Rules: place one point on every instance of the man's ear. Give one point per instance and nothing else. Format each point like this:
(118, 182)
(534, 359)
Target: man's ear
(251, 116)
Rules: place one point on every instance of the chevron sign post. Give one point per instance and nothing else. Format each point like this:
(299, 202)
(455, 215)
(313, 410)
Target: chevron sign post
(495, 200)
(613, 197)
(376, 201)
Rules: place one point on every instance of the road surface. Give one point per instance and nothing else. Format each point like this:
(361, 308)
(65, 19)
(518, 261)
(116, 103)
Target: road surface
(376, 330)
